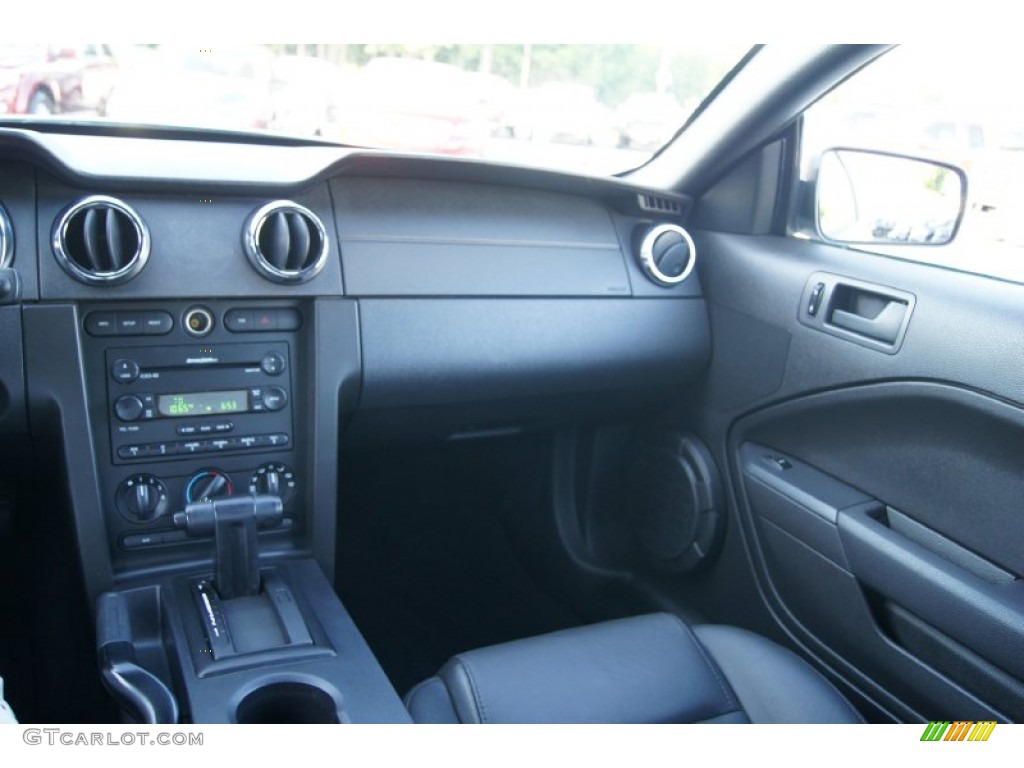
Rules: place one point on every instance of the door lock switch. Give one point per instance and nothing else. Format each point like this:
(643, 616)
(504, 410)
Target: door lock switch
(814, 302)
(779, 461)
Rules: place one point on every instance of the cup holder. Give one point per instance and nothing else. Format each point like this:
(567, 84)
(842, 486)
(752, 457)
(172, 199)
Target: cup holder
(285, 703)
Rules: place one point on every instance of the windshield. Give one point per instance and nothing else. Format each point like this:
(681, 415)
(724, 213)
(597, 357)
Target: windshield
(590, 108)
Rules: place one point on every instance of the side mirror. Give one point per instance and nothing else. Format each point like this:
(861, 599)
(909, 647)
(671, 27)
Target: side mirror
(867, 197)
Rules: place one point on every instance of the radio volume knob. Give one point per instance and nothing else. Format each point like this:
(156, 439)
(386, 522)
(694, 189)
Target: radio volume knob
(128, 408)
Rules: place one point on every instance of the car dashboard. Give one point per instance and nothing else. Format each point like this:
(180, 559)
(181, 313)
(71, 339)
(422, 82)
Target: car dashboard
(192, 320)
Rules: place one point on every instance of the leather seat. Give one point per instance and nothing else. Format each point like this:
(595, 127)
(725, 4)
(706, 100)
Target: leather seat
(6, 715)
(645, 669)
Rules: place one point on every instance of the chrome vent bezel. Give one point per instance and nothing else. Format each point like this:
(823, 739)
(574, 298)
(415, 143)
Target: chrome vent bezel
(71, 265)
(6, 239)
(650, 266)
(251, 243)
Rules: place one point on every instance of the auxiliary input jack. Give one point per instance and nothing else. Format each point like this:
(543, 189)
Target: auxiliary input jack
(197, 321)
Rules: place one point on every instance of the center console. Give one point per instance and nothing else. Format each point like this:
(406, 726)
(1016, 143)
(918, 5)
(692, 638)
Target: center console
(200, 401)
(200, 439)
(175, 651)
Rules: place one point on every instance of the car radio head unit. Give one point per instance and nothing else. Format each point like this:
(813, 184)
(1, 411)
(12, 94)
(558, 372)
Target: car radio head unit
(173, 401)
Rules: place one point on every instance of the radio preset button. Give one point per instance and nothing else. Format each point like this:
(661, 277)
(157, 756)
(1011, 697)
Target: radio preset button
(124, 370)
(137, 451)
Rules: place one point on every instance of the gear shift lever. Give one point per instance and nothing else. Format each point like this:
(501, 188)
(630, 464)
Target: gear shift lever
(234, 521)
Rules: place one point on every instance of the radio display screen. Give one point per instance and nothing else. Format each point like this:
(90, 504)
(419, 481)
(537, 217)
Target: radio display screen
(203, 403)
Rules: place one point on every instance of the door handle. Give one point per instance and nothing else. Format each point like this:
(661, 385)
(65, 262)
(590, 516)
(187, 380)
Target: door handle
(885, 326)
(872, 315)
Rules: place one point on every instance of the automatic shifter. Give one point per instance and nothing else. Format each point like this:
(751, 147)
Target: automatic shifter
(234, 521)
(241, 612)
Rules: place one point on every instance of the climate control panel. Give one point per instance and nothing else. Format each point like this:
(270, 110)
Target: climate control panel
(144, 499)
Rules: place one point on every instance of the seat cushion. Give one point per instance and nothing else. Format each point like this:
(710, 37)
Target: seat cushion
(644, 669)
(6, 715)
(772, 683)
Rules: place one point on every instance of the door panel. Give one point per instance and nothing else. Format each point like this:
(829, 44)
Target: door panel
(878, 489)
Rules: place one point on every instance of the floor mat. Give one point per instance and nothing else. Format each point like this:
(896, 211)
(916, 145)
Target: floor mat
(424, 564)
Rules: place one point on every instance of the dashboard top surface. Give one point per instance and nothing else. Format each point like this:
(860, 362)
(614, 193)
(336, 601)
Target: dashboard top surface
(245, 163)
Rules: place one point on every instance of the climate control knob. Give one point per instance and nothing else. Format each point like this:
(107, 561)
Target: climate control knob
(141, 498)
(208, 484)
(275, 479)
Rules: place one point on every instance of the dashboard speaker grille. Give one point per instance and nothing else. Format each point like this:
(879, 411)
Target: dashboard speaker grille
(101, 241)
(676, 505)
(286, 242)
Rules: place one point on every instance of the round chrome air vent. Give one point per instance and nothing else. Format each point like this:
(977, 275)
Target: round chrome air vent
(666, 254)
(101, 241)
(6, 239)
(285, 242)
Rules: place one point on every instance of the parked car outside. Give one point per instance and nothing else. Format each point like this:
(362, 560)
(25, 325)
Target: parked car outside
(565, 112)
(413, 105)
(55, 79)
(307, 92)
(496, 97)
(648, 120)
(226, 88)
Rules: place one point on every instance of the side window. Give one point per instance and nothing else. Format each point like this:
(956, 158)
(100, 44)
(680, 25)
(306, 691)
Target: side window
(948, 105)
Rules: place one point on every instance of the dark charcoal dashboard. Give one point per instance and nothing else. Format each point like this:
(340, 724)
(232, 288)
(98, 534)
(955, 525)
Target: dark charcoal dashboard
(195, 320)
